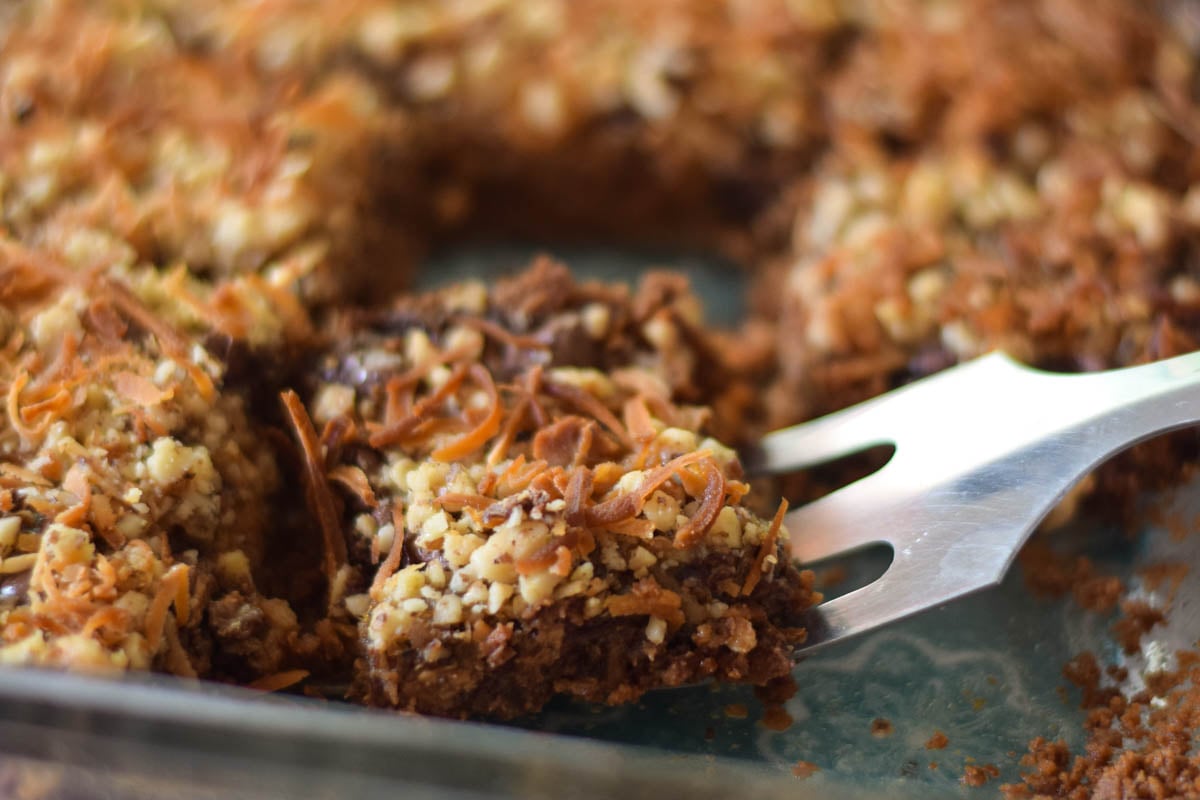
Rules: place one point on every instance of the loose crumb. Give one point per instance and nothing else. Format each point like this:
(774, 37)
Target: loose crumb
(773, 695)
(831, 577)
(776, 718)
(1171, 575)
(777, 692)
(1137, 618)
(938, 741)
(805, 769)
(1051, 574)
(737, 711)
(881, 728)
(978, 775)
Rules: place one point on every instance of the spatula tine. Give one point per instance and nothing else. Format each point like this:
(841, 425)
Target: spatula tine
(824, 439)
(847, 520)
(878, 421)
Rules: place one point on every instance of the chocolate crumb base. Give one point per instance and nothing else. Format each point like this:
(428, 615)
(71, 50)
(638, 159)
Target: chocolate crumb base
(558, 651)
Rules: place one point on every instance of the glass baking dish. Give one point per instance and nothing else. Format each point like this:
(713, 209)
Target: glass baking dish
(986, 672)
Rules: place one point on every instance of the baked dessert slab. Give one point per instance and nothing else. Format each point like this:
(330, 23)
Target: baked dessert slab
(912, 183)
(134, 491)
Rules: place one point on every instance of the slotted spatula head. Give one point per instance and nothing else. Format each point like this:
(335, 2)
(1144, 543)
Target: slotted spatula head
(983, 452)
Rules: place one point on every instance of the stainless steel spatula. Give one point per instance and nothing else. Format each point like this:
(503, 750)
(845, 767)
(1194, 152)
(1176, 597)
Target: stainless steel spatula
(983, 452)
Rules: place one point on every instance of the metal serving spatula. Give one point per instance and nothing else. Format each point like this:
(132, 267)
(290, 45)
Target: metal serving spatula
(983, 452)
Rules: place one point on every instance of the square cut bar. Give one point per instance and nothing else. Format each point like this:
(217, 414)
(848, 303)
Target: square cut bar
(531, 519)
